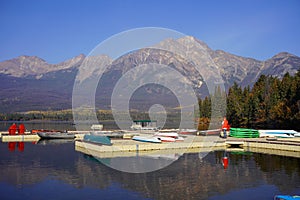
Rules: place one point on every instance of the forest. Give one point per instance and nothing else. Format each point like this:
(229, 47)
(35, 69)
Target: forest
(271, 103)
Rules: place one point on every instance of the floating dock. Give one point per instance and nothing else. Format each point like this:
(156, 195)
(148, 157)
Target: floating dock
(20, 138)
(275, 146)
(127, 148)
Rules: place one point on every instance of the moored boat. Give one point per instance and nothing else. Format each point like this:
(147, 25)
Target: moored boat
(98, 139)
(188, 131)
(243, 133)
(165, 139)
(146, 139)
(277, 133)
(167, 134)
(110, 134)
(55, 135)
(210, 132)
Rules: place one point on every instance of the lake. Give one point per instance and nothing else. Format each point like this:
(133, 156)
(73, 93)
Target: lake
(49, 170)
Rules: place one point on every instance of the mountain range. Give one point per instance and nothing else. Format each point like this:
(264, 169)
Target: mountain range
(30, 83)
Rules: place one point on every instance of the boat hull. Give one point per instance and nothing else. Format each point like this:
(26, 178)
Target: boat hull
(277, 133)
(146, 139)
(98, 139)
(56, 135)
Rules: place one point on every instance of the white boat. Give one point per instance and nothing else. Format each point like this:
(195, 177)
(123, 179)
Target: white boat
(144, 125)
(110, 134)
(188, 131)
(97, 127)
(165, 139)
(167, 134)
(146, 139)
(179, 139)
(277, 133)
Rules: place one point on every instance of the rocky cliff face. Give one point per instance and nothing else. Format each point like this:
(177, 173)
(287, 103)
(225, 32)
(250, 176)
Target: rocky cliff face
(26, 79)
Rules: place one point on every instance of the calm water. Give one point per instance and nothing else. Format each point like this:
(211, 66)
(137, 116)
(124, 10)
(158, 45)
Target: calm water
(48, 170)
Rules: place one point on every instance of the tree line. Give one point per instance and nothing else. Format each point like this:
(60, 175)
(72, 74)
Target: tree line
(271, 103)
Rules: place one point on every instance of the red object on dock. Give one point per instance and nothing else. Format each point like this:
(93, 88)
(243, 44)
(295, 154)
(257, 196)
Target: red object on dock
(21, 129)
(12, 129)
(225, 162)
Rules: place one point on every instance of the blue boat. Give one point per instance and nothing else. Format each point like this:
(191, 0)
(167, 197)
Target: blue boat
(98, 139)
(286, 197)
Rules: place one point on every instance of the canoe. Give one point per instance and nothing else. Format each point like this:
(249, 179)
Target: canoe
(146, 139)
(110, 134)
(277, 133)
(98, 139)
(166, 134)
(179, 139)
(35, 131)
(55, 135)
(210, 132)
(169, 137)
(188, 131)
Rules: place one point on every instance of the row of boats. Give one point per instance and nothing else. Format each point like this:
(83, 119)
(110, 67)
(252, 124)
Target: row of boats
(154, 137)
(164, 135)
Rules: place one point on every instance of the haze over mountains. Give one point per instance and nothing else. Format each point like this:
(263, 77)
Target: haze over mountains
(30, 83)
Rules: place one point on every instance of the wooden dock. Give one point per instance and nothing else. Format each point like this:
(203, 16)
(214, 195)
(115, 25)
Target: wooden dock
(278, 146)
(127, 148)
(20, 138)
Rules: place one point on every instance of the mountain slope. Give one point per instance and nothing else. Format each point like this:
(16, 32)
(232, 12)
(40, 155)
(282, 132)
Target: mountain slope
(30, 83)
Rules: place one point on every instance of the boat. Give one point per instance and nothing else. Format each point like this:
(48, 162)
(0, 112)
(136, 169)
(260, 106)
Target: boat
(179, 139)
(188, 131)
(168, 136)
(98, 127)
(110, 134)
(35, 131)
(144, 125)
(146, 139)
(278, 133)
(56, 135)
(210, 132)
(286, 197)
(98, 139)
(243, 133)
(165, 139)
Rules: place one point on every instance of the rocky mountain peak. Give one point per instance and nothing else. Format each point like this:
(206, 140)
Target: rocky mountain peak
(24, 65)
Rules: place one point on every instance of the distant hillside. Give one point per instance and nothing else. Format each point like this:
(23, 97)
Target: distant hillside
(30, 83)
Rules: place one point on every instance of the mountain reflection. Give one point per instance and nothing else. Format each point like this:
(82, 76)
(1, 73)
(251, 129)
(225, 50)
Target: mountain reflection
(187, 178)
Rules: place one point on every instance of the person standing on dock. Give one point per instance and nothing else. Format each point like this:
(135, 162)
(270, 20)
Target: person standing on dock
(225, 127)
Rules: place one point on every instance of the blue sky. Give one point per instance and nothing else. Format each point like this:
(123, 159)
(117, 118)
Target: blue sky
(56, 30)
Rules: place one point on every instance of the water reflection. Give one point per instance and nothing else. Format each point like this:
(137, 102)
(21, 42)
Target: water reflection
(12, 146)
(187, 178)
